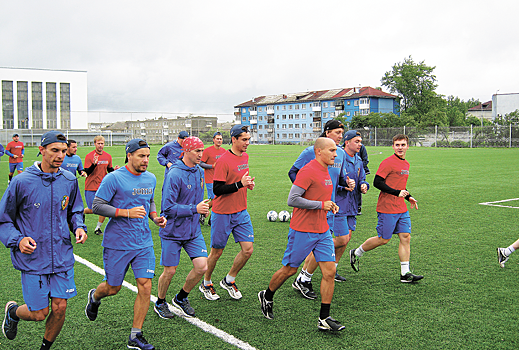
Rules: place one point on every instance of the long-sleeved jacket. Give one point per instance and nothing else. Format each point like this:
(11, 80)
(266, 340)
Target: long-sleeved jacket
(169, 153)
(42, 206)
(348, 201)
(183, 189)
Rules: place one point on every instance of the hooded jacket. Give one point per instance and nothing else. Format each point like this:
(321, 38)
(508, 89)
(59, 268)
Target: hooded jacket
(348, 200)
(183, 189)
(42, 206)
(169, 153)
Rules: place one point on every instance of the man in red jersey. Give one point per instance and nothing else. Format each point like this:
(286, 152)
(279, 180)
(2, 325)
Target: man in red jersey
(393, 216)
(310, 196)
(209, 158)
(97, 164)
(15, 151)
(230, 184)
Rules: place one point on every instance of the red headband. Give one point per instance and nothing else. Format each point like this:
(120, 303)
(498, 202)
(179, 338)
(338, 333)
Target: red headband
(192, 143)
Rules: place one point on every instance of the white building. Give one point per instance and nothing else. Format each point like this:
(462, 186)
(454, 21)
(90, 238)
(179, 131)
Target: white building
(504, 103)
(43, 99)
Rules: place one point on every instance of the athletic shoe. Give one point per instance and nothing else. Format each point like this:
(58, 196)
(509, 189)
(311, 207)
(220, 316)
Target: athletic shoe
(91, 307)
(209, 292)
(9, 326)
(231, 288)
(266, 306)
(201, 219)
(501, 257)
(139, 342)
(359, 212)
(354, 261)
(98, 231)
(339, 278)
(329, 324)
(183, 306)
(305, 288)
(410, 278)
(163, 310)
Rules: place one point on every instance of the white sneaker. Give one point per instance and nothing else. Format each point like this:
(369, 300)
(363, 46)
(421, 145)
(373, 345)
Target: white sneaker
(231, 288)
(209, 292)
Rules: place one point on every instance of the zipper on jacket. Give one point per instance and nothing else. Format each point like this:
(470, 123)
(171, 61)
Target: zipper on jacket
(51, 220)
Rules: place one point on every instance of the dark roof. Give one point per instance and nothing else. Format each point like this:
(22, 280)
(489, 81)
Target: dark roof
(485, 106)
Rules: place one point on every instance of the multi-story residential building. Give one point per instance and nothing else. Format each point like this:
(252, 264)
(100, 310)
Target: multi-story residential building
(299, 117)
(503, 104)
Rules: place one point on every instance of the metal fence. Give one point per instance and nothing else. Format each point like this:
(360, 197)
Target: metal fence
(456, 136)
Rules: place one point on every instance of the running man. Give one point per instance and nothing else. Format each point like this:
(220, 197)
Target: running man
(182, 203)
(230, 184)
(363, 154)
(209, 158)
(393, 215)
(97, 164)
(310, 196)
(15, 150)
(171, 152)
(72, 161)
(126, 196)
(504, 253)
(35, 213)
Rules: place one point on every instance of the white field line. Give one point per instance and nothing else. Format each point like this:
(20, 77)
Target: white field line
(206, 327)
(502, 206)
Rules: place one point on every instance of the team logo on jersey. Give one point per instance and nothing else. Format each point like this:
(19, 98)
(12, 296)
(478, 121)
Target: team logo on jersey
(328, 182)
(404, 172)
(243, 166)
(335, 165)
(37, 205)
(64, 202)
(139, 191)
(189, 186)
(218, 156)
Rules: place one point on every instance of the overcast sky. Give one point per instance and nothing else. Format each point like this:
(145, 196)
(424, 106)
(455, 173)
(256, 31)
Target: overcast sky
(208, 56)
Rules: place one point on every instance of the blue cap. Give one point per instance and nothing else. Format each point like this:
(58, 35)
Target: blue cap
(351, 134)
(14, 135)
(217, 133)
(238, 129)
(183, 135)
(134, 145)
(51, 137)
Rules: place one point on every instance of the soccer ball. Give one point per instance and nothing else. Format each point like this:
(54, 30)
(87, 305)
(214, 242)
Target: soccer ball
(272, 215)
(284, 216)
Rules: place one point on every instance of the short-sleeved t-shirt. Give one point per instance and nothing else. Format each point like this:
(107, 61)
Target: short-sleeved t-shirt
(395, 171)
(93, 180)
(72, 163)
(210, 156)
(231, 168)
(125, 190)
(15, 148)
(318, 186)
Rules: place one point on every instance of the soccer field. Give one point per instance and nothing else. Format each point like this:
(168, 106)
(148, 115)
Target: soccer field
(465, 300)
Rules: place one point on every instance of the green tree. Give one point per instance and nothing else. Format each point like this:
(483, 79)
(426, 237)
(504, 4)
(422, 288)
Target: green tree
(509, 118)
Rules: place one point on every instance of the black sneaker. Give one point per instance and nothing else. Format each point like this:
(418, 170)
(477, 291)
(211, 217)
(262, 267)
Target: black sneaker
(91, 306)
(10, 326)
(359, 211)
(354, 261)
(98, 231)
(266, 306)
(139, 342)
(201, 219)
(163, 310)
(501, 257)
(410, 278)
(339, 278)
(329, 324)
(184, 306)
(305, 288)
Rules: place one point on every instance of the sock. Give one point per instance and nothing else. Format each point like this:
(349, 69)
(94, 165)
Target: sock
(160, 301)
(229, 279)
(269, 295)
(304, 276)
(182, 295)
(509, 251)
(12, 314)
(359, 251)
(207, 283)
(99, 224)
(336, 265)
(404, 267)
(10, 177)
(325, 311)
(134, 332)
(46, 344)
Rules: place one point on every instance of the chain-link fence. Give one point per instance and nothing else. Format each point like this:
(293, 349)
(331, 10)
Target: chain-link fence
(455, 136)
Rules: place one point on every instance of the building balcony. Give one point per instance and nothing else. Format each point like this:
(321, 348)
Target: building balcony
(270, 111)
(316, 108)
(254, 121)
(270, 129)
(270, 120)
(253, 112)
(317, 119)
(317, 129)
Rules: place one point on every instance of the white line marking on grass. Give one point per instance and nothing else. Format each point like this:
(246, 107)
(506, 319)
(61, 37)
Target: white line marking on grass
(492, 204)
(206, 327)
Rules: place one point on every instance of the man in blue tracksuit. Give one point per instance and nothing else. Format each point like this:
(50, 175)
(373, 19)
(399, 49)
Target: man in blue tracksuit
(36, 212)
(171, 152)
(182, 203)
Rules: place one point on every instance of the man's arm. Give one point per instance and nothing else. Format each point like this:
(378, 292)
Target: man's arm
(205, 165)
(296, 200)
(9, 234)
(162, 155)
(292, 173)
(380, 183)
(219, 187)
(170, 194)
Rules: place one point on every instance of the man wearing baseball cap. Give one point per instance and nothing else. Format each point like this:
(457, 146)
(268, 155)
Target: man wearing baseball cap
(127, 240)
(36, 212)
(171, 152)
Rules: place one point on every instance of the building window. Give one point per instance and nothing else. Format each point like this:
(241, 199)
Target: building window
(325, 104)
(356, 103)
(297, 116)
(283, 126)
(364, 101)
(277, 136)
(244, 119)
(348, 103)
(22, 98)
(260, 126)
(277, 116)
(332, 104)
(303, 126)
(303, 116)
(297, 126)
(284, 117)
(260, 109)
(303, 106)
(297, 136)
(7, 104)
(260, 118)
(277, 107)
(290, 136)
(289, 106)
(284, 136)
(37, 105)
(52, 113)
(283, 108)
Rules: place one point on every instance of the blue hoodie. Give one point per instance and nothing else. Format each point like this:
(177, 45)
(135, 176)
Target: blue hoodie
(183, 189)
(42, 206)
(169, 153)
(348, 200)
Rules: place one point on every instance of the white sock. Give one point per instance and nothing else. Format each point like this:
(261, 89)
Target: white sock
(99, 224)
(304, 276)
(229, 279)
(359, 251)
(404, 267)
(509, 251)
(207, 283)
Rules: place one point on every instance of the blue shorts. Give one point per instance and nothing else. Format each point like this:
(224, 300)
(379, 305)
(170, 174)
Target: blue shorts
(330, 219)
(390, 224)
(116, 264)
(223, 224)
(300, 244)
(89, 198)
(210, 193)
(170, 255)
(15, 166)
(343, 224)
(37, 289)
